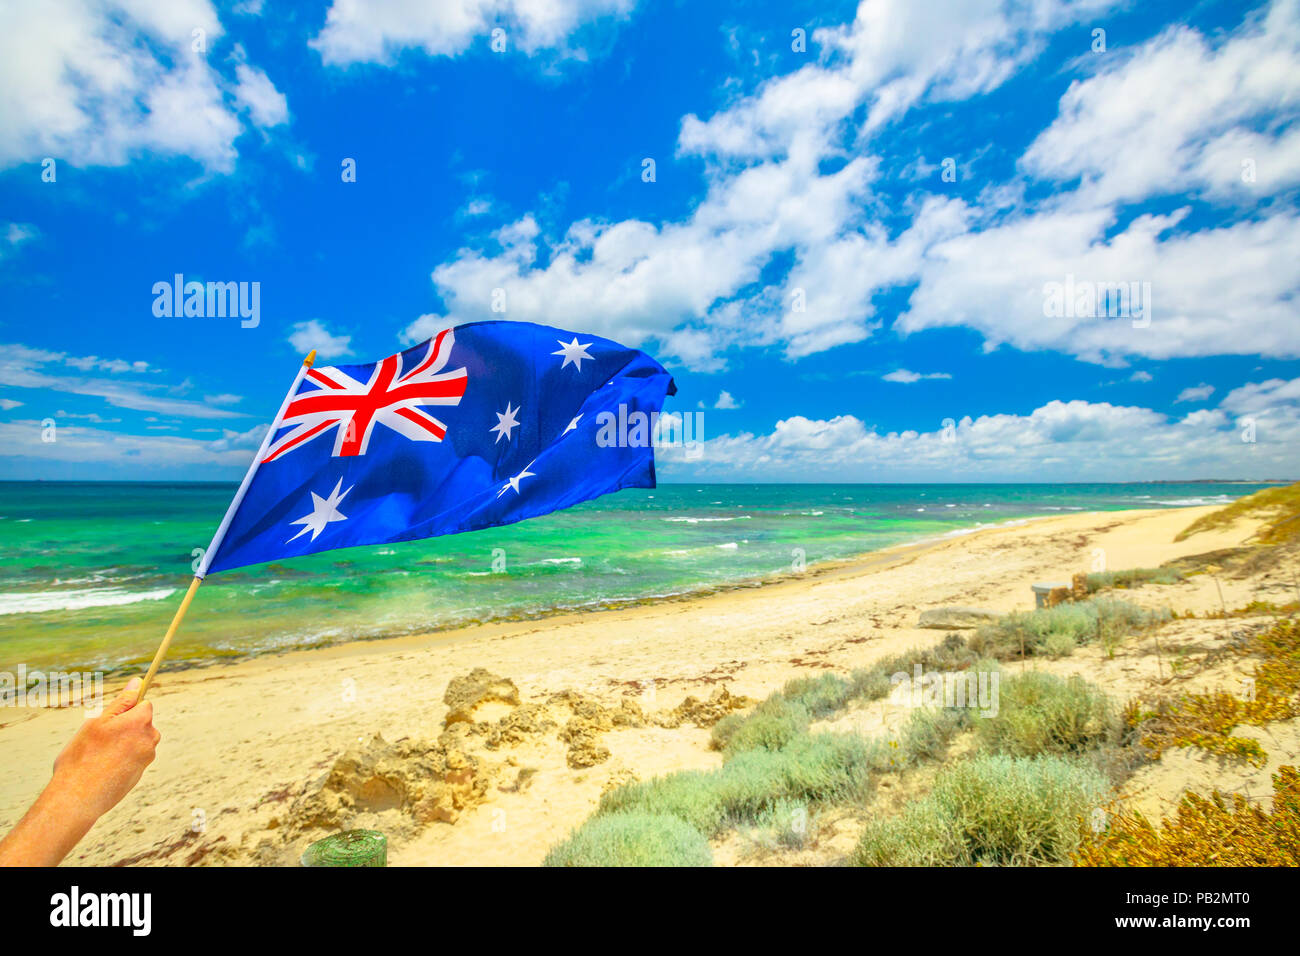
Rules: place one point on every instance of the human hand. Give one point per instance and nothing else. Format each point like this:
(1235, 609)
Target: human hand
(108, 754)
(100, 764)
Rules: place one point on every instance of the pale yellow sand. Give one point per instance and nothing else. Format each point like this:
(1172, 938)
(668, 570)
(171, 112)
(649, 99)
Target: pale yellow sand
(237, 738)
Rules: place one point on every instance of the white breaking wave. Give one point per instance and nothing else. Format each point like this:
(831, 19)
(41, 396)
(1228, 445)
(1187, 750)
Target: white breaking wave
(698, 520)
(35, 602)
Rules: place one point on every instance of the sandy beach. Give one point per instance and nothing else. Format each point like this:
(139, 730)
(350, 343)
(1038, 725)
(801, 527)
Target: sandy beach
(246, 745)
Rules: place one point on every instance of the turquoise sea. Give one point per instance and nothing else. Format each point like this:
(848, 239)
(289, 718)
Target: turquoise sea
(90, 573)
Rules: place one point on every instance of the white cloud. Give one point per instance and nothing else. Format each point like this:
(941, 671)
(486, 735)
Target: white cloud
(726, 401)
(1175, 116)
(100, 448)
(1258, 399)
(313, 334)
(693, 285)
(1227, 290)
(23, 367)
(907, 377)
(250, 439)
(266, 105)
(17, 233)
(376, 31)
(8, 404)
(1141, 376)
(1195, 393)
(768, 193)
(98, 82)
(1060, 440)
(1183, 112)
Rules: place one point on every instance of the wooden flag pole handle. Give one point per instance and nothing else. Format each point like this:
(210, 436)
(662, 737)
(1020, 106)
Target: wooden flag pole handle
(221, 531)
(167, 639)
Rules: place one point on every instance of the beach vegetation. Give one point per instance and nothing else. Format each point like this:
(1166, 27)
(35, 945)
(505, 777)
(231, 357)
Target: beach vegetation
(929, 731)
(1133, 578)
(991, 810)
(1206, 720)
(632, 839)
(1278, 507)
(1057, 646)
(769, 726)
(810, 770)
(1040, 713)
(875, 682)
(1205, 831)
(819, 696)
(1026, 633)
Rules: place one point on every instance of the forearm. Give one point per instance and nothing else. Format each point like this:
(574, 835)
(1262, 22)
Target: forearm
(54, 825)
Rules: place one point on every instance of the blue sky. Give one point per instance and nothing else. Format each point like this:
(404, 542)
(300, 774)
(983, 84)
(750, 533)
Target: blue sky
(1164, 154)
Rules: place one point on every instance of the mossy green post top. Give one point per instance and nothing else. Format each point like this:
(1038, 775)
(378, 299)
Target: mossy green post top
(349, 848)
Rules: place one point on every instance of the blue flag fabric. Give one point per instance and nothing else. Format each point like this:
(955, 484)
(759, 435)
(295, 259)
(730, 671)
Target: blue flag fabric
(483, 425)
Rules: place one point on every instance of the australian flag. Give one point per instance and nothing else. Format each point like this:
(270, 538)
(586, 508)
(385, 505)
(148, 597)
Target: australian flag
(485, 424)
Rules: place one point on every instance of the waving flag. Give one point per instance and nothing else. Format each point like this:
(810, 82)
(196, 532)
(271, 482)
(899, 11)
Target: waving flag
(483, 425)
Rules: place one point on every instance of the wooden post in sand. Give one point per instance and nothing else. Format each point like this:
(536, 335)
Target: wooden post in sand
(220, 535)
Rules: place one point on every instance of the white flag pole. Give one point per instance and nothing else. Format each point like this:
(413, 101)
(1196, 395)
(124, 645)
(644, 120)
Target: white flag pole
(220, 535)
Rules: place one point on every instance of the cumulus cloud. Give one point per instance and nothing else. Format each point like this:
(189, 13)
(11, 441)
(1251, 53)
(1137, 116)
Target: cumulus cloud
(376, 31)
(265, 104)
(726, 401)
(313, 334)
(1060, 440)
(98, 82)
(1184, 112)
(792, 174)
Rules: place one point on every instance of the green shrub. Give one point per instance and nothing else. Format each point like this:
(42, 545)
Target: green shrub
(770, 726)
(809, 770)
(1040, 713)
(928, 732)
(1081, 623)
(1133, 577)
(632, 839)
(992, 810)
(819, 696)
(873, 683)
(922, 835)
(1057, 646)
(787, 824)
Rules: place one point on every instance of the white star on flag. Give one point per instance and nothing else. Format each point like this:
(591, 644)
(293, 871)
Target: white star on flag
(323, 511)
(505, 423)
(514, 482)
(572, 352)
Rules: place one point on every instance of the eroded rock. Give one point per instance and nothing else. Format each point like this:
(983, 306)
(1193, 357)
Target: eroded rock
(467, 695)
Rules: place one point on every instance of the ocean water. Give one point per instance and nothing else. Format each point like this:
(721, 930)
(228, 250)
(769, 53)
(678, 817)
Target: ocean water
(91, 573)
